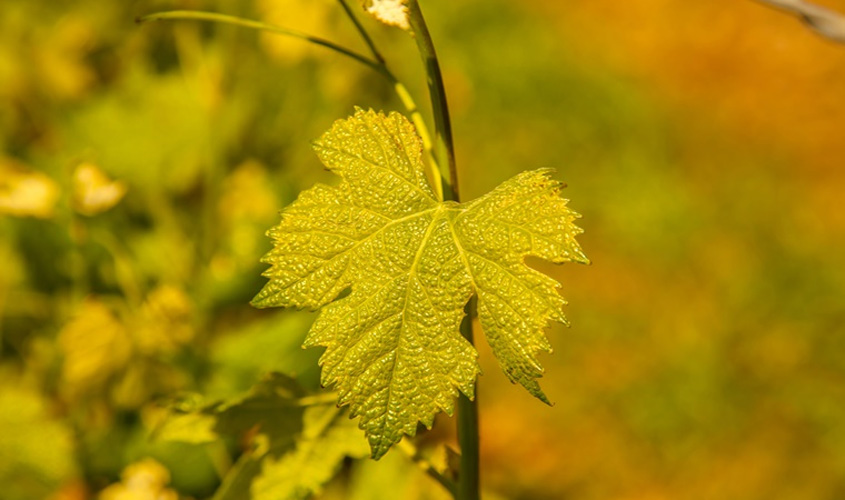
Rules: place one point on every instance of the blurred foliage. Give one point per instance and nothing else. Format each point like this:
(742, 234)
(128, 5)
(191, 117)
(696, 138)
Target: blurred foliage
(141, 165)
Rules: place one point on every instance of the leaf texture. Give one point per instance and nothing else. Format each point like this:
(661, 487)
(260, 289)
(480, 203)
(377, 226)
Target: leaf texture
(393, 346)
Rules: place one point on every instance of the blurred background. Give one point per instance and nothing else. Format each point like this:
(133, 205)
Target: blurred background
(703, 143)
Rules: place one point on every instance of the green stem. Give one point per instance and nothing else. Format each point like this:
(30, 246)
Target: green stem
(468, 436)
(239, 21)
(362, 31)
(444, 147)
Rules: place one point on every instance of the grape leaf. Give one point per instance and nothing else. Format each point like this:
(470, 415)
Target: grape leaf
(326, 439)
(270, 407)
(293, 450)
(393, 346)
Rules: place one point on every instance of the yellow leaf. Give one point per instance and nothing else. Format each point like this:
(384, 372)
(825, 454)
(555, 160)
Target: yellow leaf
(95, 345)
(93, 191)
(247, 194)
(394, 350)
(319, 452)
(36, 450)
(142, 480)
(24, 193)
(164, 322)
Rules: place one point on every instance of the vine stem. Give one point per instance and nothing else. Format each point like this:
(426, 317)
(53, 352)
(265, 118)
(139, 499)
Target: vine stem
(257, 25)
(468, 436)
(363, 32)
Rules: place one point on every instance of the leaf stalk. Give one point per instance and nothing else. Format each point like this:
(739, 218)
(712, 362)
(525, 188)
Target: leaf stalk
(444, 146)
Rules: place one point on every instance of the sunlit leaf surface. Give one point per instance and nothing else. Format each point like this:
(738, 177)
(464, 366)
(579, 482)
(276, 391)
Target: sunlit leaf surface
(394, 350)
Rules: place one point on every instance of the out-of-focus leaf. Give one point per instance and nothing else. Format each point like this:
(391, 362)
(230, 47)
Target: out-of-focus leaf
(270, 408)
(146, 479)
(126, 354)
(394, 349)
(327, 438)
(313, 17)
(238, 480)
(162, 145)
(392, 477)
(61, 59)
(247, 194)
(242, 355)
(247, 204)
(13, 271)
(193, 428)
(96, 346)
(164, 322)
(93, 191)
(36, 452)
(293, 449)
(165, 254)
(25, 193)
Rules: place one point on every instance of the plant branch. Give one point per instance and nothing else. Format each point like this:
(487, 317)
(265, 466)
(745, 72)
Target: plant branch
(362, 31)
(822, 20)
(194, 15)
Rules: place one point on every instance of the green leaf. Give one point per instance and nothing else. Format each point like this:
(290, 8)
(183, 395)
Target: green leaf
(194, 428)
(394, 350)
(294, 450)
(36, 450)
(271, 407)
(326, 439)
